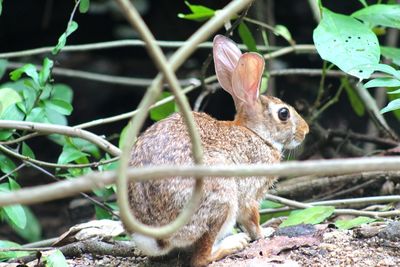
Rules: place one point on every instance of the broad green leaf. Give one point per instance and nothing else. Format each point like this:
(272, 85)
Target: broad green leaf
(56, 259)
(284, 32)
(393, 105)
(122, 136)
(355, 101)
(5, 134)
(1, 6)
(268, 204)
(311, 215)
(349, 224)
(55, 117)
(102, 213)
(86, 146)
(3, 62)
(16, 214)
(84, 6)
(37, 115)
(5, 255)
(199, 12)
(380, 15)
(391, 53)
(58, 105)
(347, 43)
(70, 154)
(29, 70)
(382, 82)
(12, 184)
(62, 92)
(44, 73)
(164, 110)
(8, 97)
(12, 112)
(247, 37)
(72, 26)
(32, 231)
(7, 165)
(383, 68)
(393, 94)
(27, 151)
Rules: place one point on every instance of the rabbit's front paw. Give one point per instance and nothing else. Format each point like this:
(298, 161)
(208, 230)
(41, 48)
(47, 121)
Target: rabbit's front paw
(231, 244)
(267, 231)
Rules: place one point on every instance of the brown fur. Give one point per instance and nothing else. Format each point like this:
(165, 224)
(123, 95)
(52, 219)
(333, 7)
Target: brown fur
(254, 136)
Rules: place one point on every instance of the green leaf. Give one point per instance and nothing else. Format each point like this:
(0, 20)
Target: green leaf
(393, 105)
(7, 165)
(347, 43)
(58, 105)
(29, 70)
(12, 184)
(56, 259)
(393, 94)
(268, 204)
(382, 82)
(37, 115)
(15, 213)
(283, 31)
(383, 68)
(380, 15)
(27, 151)
(164, 110)
(349, 224)
(247, 37)
(55, 117)
(84, 6)
(311, 215)
(264, 85)
(44, 73)
(72, 26)
(86, 146)
(32, 231)
(5, 255)
(355, 101)
(199, 12)
(363, 2)
(8, 97)
(3, 62)
(391, 53)
(102, 213)
(1, 6)
(70, 154)
(62, 92)
(12, 112)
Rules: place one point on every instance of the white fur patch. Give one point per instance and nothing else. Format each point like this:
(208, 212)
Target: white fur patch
(148, 245)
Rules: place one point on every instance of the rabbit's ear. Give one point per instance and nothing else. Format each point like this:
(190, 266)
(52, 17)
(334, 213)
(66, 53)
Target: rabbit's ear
(246, 78)
(226, 56)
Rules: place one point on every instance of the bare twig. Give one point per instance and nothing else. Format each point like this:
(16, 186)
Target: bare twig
(94, 180)
(11, 172)
(60, 129)
(363, 137)
(300, 205)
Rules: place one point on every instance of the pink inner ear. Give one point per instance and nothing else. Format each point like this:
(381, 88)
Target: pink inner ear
(246, 77)
(226, 56)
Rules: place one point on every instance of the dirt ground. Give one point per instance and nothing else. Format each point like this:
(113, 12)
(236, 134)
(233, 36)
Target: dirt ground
(305, 245)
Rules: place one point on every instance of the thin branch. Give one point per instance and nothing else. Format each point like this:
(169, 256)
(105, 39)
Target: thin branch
(94, 201)
(363, 137)
(95, 180)
(339, 202)
(13, 171)
(60, 129)
(27, 159)
(300, 205)
(117, 44)
(104, 78)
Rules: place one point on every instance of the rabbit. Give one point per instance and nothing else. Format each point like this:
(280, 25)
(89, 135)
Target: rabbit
(262, 128)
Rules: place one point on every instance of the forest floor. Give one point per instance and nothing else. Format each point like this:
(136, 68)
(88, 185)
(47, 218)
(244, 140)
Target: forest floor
(377, 244)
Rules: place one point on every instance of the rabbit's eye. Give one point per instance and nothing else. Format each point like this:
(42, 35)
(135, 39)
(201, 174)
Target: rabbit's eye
(283, 114)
